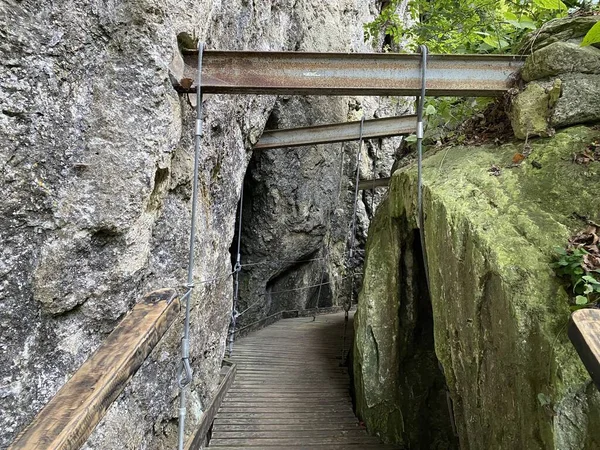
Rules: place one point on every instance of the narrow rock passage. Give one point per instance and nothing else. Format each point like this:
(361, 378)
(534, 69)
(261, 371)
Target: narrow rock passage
(290, 391)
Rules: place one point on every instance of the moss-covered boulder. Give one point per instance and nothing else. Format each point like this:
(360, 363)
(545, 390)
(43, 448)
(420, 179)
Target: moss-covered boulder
(499, 313)
(568, 29)
(559, 58)
(530, 110)
(401, 392)
(564, 80)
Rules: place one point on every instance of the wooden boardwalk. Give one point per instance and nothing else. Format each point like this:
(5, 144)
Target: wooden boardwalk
(290, 391)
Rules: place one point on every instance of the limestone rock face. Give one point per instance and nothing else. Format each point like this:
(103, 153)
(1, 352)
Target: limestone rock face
(499, 313)
(95, 175)
(298, 205)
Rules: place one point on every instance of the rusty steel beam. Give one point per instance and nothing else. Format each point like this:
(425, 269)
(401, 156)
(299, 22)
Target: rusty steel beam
(364, 185)
(338, 132)
(249, 72)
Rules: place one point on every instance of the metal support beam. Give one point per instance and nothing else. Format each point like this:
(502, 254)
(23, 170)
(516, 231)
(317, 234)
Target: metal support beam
(364, 185)
(338, 132)
(226, 72)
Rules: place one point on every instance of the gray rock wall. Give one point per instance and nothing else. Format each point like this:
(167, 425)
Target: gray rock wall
(298, 206)
(95, 175)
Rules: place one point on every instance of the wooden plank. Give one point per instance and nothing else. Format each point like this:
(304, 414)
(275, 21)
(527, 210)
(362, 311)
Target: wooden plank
(210, 412)
(288, 433)
(290, 391)
(72, 414)
(314, 426)
(584, 332)
(268, 442)
(300, 446)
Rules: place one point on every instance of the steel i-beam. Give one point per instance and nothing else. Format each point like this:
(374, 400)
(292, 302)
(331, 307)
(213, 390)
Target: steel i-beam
(339, 132)
(364, 185)
(233, 72)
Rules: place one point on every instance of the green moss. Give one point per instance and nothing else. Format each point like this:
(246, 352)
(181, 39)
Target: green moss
(499, 312)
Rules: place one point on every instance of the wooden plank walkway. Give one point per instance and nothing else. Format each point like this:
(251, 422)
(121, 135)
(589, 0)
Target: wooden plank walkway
(290, 391)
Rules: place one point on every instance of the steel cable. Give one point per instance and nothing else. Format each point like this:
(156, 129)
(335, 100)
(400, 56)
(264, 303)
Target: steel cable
(420, 107)
(183, 379)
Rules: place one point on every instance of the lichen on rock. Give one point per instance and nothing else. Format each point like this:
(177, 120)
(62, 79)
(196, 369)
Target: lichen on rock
(499, 313)
(563, 85)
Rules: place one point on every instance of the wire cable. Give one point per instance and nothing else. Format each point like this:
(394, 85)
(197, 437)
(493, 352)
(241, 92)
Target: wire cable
(184, 376)
(358, 159)
(236, 270)
(420, 105)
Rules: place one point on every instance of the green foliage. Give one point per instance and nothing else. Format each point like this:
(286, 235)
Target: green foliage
(583, 284)
(477, 26)
(592, 36)
(444, 115)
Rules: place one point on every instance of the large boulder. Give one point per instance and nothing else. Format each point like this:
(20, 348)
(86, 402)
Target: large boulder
(578, 102)
(499, 312)
(559, 58)
(568, 29)
(563, 85)
(530, 111)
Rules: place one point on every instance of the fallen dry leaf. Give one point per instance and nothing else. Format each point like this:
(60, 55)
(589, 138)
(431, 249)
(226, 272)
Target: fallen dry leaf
(518, 158)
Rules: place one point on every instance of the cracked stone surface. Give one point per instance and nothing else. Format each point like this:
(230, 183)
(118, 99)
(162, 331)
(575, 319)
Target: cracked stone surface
(95, 175)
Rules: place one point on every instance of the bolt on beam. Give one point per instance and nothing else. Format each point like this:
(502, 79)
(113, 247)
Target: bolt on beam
(249, 72)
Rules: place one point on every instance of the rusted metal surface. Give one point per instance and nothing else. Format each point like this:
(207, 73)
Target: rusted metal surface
(228, 72)
(72, 414)
(339, 132)
(376, 183)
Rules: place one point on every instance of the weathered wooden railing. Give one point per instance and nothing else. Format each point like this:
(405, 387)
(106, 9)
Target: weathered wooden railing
(71, 415)
(288, 314)
(210, 412)
(584, 332)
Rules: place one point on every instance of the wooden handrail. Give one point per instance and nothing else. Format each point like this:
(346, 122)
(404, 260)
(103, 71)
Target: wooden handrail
(208, 417)
(287, 314)
(584, 332)
(71, 415)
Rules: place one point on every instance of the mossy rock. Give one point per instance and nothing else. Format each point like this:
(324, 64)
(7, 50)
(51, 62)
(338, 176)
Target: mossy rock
(559, 58)
(499, 312)
(568, 29)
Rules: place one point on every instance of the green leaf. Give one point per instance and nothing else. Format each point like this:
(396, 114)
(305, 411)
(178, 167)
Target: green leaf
(592, 36)
(411, 138)
(555, 5)
(430, 110)
(577, 307)
(544, 399)
(581, 300)
(590, 279)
